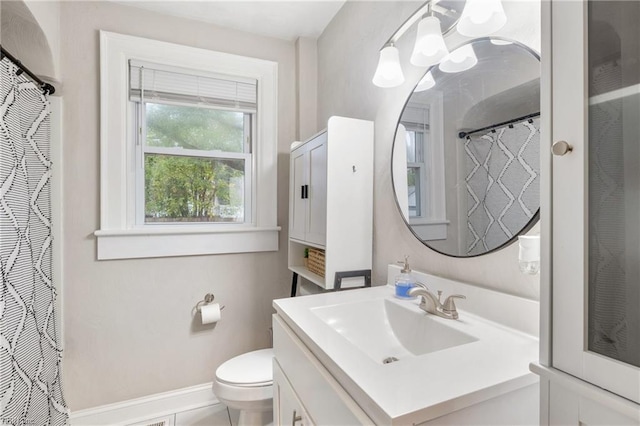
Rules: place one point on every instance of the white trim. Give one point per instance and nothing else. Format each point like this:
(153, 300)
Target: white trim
(429, 230)
(433, 193)
(181, 241)
(196, 153)
(183, 229)
(57, 211)
(546, 192)
(588, 390)
(148, 407)
(117, 177)
(422, 221)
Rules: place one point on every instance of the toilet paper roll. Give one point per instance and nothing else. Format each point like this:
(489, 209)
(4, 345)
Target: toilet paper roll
(210, 313)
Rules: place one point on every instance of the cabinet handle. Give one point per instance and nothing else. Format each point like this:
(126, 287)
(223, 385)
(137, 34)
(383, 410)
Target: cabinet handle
(306, 191)
(295, 418)
(302, 192)
(561, 148)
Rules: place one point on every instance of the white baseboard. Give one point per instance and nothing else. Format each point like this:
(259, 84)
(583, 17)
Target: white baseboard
(140, 409)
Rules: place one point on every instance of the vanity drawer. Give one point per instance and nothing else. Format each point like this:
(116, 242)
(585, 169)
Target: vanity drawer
(324, 399)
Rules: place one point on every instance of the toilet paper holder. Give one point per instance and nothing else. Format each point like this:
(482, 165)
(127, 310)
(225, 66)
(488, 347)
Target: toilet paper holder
(208, 299)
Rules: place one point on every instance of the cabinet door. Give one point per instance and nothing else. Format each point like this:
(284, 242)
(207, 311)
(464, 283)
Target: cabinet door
(568, 407)
(287, 408)
(596, 195)
(298, 211)
(317, 206)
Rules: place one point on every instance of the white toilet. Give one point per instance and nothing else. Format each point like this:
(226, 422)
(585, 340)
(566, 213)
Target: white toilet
(245, 383)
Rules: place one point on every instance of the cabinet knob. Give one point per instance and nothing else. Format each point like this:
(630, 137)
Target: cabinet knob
(561, 148)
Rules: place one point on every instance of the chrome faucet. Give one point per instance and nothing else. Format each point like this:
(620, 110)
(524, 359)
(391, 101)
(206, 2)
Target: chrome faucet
(431, 304)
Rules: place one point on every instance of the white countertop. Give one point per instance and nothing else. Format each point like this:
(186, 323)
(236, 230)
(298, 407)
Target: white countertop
(420, 388)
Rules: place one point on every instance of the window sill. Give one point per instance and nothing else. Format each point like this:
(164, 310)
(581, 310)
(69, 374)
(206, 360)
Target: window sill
(430, 229)
(184, 241)
(423, 221)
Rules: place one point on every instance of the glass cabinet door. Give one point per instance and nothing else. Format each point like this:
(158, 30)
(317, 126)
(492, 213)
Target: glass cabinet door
(614, 180)
(596, 193)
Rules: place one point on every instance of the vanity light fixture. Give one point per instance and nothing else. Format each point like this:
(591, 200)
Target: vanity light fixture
(429, 47)
(481, 18)
(426, 83)
(461, 59)
(389, 71)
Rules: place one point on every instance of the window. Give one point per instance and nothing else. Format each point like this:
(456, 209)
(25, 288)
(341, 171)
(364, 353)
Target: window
(193, 148)
(425, 155)
(186, 135)
(415, 138)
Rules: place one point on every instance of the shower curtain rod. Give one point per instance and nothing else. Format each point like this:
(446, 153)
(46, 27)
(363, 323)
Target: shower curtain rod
(47, 88)
(463, 135)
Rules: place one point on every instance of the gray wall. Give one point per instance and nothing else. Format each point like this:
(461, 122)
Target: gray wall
(28, 30)
(128, 323)
(347, 57)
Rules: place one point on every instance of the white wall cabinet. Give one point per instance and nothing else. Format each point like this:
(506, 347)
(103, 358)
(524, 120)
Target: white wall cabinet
(331, 201)
(593, 76)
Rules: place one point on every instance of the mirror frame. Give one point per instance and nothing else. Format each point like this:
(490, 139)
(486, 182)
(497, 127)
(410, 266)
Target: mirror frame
(534, 219)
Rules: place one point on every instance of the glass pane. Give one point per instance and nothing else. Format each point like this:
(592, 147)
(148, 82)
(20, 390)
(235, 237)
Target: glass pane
(191, 189)
(614, 179)
(176, 126)
(411, 146)
(415, 145)
(413, 182)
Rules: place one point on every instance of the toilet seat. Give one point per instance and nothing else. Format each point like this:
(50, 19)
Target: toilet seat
(245, 383)
(252, 369)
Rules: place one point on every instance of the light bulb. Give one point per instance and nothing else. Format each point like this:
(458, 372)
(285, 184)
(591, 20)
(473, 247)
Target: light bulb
(461, 59)
(481, 17)
(426, 83)
(429, 48)
(388, 73)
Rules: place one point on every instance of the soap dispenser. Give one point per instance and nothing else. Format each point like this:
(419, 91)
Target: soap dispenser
(404, 281)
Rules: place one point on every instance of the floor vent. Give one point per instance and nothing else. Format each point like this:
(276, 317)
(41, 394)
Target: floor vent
(169, 420)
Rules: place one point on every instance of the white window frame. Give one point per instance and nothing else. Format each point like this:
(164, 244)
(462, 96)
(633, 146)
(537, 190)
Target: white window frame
(432, 223)
(423, 171)
(119, 236)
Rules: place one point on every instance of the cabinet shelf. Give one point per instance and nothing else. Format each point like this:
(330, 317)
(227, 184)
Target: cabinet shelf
(615, 95)
(308, 275)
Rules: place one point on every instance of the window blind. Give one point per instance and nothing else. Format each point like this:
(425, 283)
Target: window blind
(149, 82)
(415, 116)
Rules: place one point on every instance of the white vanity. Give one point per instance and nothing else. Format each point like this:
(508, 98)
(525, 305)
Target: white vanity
(364, 357)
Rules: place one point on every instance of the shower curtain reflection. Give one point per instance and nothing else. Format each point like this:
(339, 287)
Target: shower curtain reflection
(502, 183)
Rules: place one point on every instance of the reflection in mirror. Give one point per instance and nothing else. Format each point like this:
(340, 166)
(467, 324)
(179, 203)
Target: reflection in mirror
(465, 162)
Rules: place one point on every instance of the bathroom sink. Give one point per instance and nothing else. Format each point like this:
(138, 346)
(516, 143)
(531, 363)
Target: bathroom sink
(388, 330)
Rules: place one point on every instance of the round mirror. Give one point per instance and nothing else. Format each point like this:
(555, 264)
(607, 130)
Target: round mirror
(465, 163)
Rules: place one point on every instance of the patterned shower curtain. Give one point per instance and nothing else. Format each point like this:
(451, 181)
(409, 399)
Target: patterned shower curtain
(503, 188)
(30, 354)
